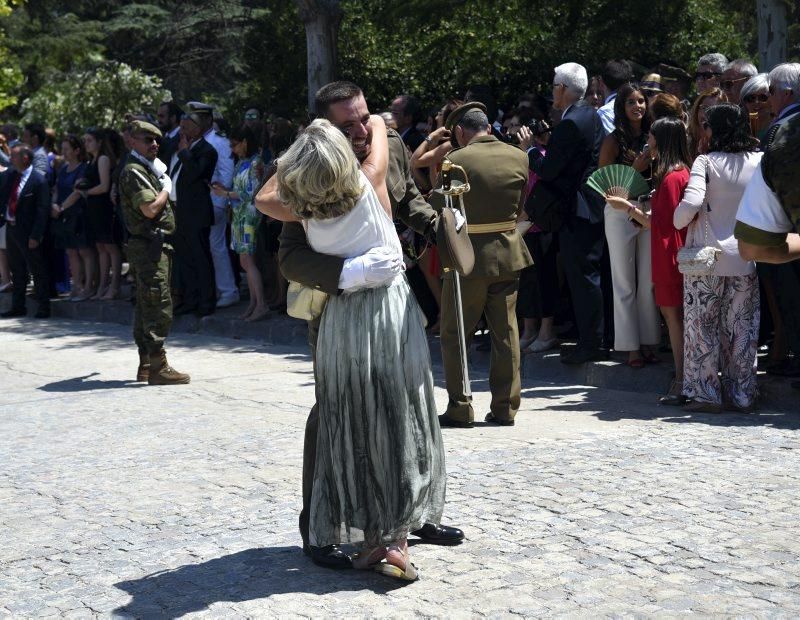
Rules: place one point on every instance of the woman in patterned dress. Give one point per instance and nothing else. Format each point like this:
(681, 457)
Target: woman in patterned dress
(247, 177)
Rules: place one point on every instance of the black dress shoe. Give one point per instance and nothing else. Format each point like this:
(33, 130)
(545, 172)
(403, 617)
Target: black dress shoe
(42, 313)
(581, 356)
(446, 420)
(439, 534)
(182, 309)
(493, 420)
(10, 314)
(204, 311)
(331, 556)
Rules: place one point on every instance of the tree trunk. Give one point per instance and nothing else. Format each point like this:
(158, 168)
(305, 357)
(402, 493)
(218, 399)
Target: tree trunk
(321, 19)
(772, 33)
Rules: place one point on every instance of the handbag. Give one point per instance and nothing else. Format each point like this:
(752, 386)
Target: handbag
(699, 260)
(304, 302)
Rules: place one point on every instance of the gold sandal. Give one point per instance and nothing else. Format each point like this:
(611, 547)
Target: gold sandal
(409, 573)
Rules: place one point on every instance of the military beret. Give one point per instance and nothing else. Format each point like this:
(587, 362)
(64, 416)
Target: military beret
(781, 167)
(454, 118)
(199, 108)
(673, 74)
(144, 128)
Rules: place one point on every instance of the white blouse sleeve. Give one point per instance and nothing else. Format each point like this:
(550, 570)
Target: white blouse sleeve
(695, 195)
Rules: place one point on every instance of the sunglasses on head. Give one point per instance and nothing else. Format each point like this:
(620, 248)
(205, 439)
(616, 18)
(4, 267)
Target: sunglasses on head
(728, 84)
(760, 97)
(706, 75)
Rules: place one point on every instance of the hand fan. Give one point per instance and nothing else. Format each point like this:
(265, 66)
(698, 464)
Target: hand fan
(618, 180)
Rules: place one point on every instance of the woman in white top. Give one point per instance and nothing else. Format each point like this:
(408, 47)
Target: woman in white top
(379, 471)
(722, 309)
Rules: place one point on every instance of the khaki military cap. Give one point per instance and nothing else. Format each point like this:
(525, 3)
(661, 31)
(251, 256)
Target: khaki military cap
(143, 128)
(199, 108)
(454, 118)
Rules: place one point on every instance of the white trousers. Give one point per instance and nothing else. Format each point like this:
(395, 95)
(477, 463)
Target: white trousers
(223, 271)
(636, 321)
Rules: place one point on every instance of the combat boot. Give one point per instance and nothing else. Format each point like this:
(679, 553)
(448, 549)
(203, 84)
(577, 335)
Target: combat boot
(161, 373)
(143, 372)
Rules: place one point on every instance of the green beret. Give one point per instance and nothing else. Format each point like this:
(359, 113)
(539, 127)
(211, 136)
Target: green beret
(140, 128)
(454, 118)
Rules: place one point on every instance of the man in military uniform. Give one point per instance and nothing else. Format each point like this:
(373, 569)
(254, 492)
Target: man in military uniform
(498, 175)
(344, 105)
(144, 193)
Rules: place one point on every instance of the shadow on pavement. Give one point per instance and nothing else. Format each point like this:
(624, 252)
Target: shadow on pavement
(86, 384)
(637, 409)
(244, 576)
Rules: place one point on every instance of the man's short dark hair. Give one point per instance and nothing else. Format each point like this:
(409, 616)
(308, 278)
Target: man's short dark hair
(474, 120)
(36, 129)
(10, 131)
(333, 93)
(24, 150)
(616, 73)
(173, 109)
(411, 107)
(482, 93)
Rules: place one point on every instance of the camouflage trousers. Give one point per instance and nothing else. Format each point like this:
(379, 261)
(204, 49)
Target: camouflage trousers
(152, 316)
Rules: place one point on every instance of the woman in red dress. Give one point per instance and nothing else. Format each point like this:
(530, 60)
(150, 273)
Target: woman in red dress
(669, 149)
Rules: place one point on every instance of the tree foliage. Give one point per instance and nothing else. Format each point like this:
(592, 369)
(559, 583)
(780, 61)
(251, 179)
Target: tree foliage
(242, 53)
(95, 94)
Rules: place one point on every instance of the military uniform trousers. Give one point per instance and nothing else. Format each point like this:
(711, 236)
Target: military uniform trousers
(152, 316)
(496, 297)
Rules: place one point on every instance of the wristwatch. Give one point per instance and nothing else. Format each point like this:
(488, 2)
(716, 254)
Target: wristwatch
(428, 139)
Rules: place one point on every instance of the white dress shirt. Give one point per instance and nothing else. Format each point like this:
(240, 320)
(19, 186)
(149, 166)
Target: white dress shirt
(223, 172)
(606, 113)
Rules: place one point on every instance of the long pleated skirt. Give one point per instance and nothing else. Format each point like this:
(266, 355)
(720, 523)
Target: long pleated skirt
(380, 469)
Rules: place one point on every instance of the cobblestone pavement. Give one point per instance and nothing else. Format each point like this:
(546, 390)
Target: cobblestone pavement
(118, 498)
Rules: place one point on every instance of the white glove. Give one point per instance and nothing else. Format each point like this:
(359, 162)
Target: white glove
(460, 221)
(166, 184)
(378, 266)
(158, 166)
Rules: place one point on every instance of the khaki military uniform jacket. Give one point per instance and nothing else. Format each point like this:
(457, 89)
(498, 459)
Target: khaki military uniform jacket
(138, 186)
(498, 175)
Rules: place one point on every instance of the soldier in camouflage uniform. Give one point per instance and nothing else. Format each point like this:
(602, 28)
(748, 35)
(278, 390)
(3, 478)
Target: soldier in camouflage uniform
(144, 193)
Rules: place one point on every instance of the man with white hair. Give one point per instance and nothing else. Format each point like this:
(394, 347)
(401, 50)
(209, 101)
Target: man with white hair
(735, 75)
(571, 157)
(709, 71)
(784, 96)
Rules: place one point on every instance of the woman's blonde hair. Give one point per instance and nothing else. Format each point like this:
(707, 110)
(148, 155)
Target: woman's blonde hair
(318, 176)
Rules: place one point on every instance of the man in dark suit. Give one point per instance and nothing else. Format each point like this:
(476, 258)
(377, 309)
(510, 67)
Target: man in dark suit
(25, 208)
(571, 157)
(406, 111)
(191, 169)
(169, 122)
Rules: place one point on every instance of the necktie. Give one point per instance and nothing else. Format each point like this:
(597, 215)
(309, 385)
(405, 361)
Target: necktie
(12, 199)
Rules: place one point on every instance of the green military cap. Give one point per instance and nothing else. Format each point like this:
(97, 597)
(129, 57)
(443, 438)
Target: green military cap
(454, 118)
(781, 168)
(669, 73)
(143, 128)
(198, 107)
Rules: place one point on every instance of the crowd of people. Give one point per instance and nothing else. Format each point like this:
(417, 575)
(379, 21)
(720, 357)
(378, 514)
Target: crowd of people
(607, 277)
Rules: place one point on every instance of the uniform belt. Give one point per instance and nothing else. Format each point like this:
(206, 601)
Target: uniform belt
(496, 227)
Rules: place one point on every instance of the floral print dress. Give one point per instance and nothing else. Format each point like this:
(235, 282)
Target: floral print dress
(245, 221)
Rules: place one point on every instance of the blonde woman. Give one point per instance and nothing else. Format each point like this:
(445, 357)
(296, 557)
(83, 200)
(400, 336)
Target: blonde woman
(379, 470)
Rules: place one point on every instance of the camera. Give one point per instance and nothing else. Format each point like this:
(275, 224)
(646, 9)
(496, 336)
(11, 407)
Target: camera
(538, 128)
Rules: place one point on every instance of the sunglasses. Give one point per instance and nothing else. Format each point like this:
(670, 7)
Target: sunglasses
(760, 97)
(706, 75)
(728, 84)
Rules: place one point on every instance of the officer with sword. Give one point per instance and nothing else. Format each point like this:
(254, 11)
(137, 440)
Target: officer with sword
(491, 200)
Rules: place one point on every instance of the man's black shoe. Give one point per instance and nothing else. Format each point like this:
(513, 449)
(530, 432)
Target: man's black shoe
(42, 313)
(204, 311)
(581, 356)
(796, 385)
(493, 420)
(331, 556)
(181, 309)
(786, 368)
(10, 314)
(446, 420)
(439, 534)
